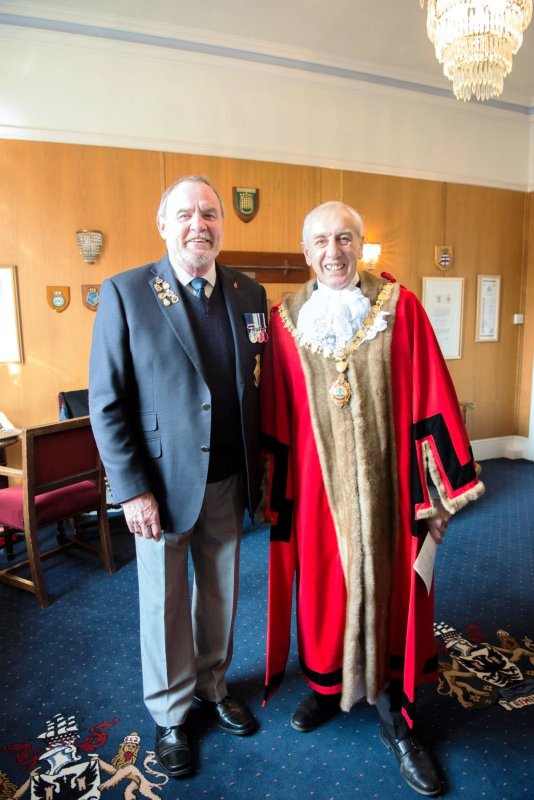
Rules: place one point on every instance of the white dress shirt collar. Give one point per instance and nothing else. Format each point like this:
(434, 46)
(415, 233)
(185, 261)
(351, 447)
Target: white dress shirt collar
(185, 278)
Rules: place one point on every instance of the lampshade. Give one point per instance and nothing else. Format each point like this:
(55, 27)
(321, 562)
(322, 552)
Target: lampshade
(371, 254)
(475, 41)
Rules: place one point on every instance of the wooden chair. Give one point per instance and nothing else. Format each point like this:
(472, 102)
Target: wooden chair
(75, 403)
(62, 476)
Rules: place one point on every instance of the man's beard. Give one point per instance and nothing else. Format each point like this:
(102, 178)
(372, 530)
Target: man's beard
(191, 261)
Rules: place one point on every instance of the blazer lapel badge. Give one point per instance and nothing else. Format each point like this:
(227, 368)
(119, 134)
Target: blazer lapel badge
(164, 292)
(257, 371)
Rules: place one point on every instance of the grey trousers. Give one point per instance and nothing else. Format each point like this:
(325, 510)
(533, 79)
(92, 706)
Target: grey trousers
(187, 647)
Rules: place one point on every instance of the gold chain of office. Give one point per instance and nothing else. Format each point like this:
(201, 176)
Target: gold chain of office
(340, 391)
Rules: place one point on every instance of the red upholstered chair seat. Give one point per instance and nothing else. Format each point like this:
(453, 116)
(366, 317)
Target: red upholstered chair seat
(49, 507)
(61, 478)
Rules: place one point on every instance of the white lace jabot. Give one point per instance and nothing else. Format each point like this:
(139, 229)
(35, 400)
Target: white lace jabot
(331, 317)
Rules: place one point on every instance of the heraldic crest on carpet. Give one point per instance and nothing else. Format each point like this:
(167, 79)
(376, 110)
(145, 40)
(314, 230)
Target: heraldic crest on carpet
(479, 674)
(65, 765)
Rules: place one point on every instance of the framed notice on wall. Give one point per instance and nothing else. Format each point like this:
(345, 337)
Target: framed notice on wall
(10, 335)
(488, 302)
(443, 302)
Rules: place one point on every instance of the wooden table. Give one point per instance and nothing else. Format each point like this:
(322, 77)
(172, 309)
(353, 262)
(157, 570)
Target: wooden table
(7, 437)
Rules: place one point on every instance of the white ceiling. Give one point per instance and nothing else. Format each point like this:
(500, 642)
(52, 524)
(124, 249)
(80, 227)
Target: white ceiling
(381, 41)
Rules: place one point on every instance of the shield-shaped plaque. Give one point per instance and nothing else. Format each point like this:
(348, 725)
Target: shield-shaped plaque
(91, 296)
(58, 297)
(246, 202)
(443, 256)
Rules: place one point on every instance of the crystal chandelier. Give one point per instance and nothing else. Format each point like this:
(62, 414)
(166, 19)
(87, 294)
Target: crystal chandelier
(475, 41)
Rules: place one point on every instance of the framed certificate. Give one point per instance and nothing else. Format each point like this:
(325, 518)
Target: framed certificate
(10, 335)
(488, 304)
(443, 302)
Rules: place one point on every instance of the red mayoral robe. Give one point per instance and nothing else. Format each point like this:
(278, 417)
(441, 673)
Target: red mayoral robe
(348, 496)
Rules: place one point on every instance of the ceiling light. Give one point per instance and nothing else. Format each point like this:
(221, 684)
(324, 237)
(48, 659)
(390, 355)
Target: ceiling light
(475, 41)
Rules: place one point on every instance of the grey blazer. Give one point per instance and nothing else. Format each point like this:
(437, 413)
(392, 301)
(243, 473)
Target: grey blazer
(149, 402)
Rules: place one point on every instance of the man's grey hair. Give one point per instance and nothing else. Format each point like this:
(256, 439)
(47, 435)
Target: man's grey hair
(187, 179)
(358, 221)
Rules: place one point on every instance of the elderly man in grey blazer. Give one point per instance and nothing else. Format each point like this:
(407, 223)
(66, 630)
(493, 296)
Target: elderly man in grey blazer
(173, 393)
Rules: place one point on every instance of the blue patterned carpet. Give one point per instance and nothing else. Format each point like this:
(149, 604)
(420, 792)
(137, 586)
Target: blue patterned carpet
(80, 658)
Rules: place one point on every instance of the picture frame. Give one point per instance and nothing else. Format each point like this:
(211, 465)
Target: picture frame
(488, 308)
(10, 329)
(443, 302)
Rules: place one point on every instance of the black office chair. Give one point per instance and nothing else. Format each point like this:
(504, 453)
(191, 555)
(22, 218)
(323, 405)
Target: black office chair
(73, 404)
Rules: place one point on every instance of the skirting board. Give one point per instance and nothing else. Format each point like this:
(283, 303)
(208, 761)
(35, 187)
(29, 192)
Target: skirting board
(503, 447)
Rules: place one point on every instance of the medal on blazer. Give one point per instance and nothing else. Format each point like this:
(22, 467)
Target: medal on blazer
(256, 327)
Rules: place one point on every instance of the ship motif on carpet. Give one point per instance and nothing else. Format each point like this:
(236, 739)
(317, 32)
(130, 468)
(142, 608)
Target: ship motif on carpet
(65, 766)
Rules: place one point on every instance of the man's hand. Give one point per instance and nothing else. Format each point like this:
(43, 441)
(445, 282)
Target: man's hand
(438, 525)
(142, 516)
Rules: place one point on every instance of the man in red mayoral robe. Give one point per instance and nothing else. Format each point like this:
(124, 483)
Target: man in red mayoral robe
(368, 457)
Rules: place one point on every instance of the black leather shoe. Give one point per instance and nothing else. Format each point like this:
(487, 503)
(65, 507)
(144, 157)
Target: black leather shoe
(315, 710)
(415, 763)
(230, 714)
(172, 751)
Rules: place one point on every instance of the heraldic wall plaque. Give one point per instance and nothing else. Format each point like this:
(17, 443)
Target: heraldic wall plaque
(246, 202)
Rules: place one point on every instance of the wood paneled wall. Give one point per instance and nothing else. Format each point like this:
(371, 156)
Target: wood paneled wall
(51, 190)
(48, 192)
(486, 227)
